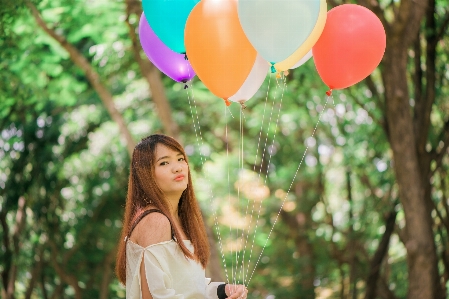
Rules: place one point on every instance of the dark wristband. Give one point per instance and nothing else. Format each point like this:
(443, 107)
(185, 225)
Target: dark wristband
(221, 292)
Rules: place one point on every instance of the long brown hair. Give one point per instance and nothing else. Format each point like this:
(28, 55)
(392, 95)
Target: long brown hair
(143, 189)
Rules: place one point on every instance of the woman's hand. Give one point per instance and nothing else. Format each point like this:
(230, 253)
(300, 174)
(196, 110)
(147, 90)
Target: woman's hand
(236, 291)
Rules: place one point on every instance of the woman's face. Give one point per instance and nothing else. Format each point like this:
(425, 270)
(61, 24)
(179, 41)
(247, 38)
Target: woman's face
(171, 171)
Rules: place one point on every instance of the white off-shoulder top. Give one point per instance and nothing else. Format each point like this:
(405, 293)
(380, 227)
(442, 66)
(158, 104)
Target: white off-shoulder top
(170, 275)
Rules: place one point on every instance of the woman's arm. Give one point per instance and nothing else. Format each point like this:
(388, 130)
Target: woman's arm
(152, 229)
(144, 284)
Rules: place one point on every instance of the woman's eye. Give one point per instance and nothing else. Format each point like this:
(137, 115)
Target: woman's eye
(181, 159)
(163, 163)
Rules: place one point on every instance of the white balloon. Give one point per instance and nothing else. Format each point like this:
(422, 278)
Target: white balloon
(252, 82)
(303, 60)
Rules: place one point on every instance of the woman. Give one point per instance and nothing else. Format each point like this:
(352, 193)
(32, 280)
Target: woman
(163, 249)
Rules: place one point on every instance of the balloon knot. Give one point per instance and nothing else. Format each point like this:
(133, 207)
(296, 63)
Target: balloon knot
(186, 86)
(273, 69)
(185, 56)
(329, 92)
(227, 102)
(278, 75)
(242, 103)
(286, 73)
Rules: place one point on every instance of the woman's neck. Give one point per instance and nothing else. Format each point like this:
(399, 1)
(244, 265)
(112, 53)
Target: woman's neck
(173, 202)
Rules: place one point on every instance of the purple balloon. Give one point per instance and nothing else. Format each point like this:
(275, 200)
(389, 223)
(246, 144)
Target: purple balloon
(167, 61)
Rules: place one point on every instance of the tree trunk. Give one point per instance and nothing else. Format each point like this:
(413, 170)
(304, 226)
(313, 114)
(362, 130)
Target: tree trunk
(402, 33)
(152, 75)
(421, 251)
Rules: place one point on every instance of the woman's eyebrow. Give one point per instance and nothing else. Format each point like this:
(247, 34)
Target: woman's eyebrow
(164, 157)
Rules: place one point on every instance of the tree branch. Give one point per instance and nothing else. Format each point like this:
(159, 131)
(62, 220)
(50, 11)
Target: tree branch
(384, 291)
(7, 254)
(418, 75)
(444, 26)
(91, 75)
(424, 109)
(36, 272)
(443, 197)
(152, 75)
(67, 278)
(106, 275)
(438, 157)
(376, 261)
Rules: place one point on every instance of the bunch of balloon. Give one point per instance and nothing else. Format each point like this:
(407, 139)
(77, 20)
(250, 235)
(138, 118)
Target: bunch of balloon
(351, 46)
(172, 64)
(282, 31)
(231, 44)
(221, 54)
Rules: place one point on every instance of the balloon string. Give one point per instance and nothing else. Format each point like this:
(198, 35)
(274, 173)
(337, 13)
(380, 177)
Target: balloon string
(229, 194)
(270, 153)
(289, 189)
(254, 170)
(202, 159)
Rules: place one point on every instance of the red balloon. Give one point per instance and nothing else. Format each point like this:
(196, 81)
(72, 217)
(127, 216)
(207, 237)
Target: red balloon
(351, 46)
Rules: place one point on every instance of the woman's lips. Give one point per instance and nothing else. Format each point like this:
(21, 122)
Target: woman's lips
(179, 177)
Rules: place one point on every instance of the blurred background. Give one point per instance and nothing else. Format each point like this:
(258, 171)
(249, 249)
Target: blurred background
(304, 196)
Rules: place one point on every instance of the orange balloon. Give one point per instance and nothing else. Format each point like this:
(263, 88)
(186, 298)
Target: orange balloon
(217, 48)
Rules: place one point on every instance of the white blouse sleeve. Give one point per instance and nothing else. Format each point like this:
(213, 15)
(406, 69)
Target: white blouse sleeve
(158, 277)
(211, 289)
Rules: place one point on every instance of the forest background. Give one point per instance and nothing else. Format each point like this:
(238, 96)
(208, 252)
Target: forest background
(366, 216)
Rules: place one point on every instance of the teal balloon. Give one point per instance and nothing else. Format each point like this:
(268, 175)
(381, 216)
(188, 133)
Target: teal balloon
(168, 19)
(277, 28)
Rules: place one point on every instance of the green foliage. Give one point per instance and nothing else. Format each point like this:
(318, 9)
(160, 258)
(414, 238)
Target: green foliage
(61, 152)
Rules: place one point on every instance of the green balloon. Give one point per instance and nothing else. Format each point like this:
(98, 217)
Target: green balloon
(276, 28)
(168, 19)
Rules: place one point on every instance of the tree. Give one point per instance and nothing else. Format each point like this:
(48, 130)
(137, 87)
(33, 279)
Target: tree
(408, 127)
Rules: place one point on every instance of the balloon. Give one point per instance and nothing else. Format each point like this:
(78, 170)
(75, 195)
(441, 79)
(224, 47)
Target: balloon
(170, 63)
(217, 47)
(277, 28)
(351, 46)
(303, 60)
(168, 19)
(253, 82)
(306, 47)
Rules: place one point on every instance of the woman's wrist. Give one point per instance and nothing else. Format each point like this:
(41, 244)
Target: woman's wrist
(221, 291)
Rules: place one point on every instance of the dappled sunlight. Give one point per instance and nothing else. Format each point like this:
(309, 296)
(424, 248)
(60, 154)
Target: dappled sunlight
(251, 186)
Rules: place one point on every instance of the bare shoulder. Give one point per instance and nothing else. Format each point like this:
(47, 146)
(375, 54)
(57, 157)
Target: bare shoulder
(152, 229)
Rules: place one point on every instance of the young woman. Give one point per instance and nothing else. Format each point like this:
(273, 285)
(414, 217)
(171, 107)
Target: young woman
(163, 249)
